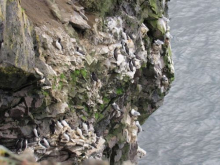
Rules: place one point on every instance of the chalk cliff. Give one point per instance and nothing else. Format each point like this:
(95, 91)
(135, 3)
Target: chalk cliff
(75, 75)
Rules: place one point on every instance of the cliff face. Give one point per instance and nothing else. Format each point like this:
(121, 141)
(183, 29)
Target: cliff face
(68, 67)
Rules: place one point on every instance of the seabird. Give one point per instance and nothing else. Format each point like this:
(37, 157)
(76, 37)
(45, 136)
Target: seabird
(65, 124)
(25, 144)
(39, 73)
(35, 132)
(168, 35)
(139, 126)
(46, 87)
(46, 143)
(131, 66)
(116, 107)
(1, 34)
(124, 36)
(135, 113)
(116, 54)
(158, 42)
(42, 81)
(79, 52)
(19, 145)
(165, 19)
(79, 131)
(164, 80)
(58, 44)
(65, 136)
(120, 59)
(94, 77)
(59, 125)
(85, 127)
(141, 151)
(127, 49)
(41, 145)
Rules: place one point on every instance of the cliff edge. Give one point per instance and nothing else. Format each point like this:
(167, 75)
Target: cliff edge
(78, 78)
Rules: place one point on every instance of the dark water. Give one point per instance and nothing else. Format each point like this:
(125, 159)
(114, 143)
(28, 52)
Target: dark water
(186, 129)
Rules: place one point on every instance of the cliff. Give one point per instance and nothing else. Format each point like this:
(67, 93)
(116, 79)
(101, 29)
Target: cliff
(76, 74)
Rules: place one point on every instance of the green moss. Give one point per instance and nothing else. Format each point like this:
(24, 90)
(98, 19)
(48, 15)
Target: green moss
(62, 76)
(98, 116)
(119, 91)
(83, 73)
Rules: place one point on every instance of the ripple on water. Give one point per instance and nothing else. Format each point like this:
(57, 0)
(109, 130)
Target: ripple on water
(186, 129)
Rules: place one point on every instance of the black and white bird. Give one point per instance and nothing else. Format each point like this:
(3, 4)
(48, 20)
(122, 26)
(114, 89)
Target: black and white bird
(25, 144)
(1, 34)
(94, 77)
(19, 145)
(127, 49)
(58, 44)
(46, 143)
(39, 73)
(59, 125)
(79, 52)
(65, 124)
(66, 137)
(131, 66)
(116, 54)
(135, 113)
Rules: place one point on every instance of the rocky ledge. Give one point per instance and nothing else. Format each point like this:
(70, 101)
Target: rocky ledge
(79, 78)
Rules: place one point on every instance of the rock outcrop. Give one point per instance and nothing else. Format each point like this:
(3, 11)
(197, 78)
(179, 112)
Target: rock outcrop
(78, 78)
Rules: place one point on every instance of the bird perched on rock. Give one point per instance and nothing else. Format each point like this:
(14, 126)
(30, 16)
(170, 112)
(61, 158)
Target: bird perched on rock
(58, 44)
(124, 36)
(94, 77)
(141, 152)
(127, 49)
(139, 126)
(1, 34)
(135, 113)
(116, 54)
(79, 132)
(46, 143)
(19, 145)
(158, 42)
(65, 124)
(116, 107)
(35, 132)
(165, 80)
(85, 127)
(59, 125)
(66, 138)
(79, 52)
(25, 144)
(131, 66)
(39, 73)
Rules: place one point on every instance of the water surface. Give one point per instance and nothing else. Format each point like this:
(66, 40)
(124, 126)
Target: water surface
(186, 129)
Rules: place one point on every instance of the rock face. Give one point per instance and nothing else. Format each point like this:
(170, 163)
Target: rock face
(78, 78)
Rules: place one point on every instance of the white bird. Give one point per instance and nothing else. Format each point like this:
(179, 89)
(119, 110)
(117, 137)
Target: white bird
(35, 132)
(41, 145)
(141, 152)
(39, 73)
(163, 2)
(165, 80)
(26, 144)
(59, 125)
(79, 131)
(116, 107)
(46, 143)
(46, 87)
(124, 36)
(85, 127)
(58, 44)
(65, 124)
(139, 126)
(168, 35)
(158, 42)
(165, 19)
(120, 59)
(135, 113)
(65, 136)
